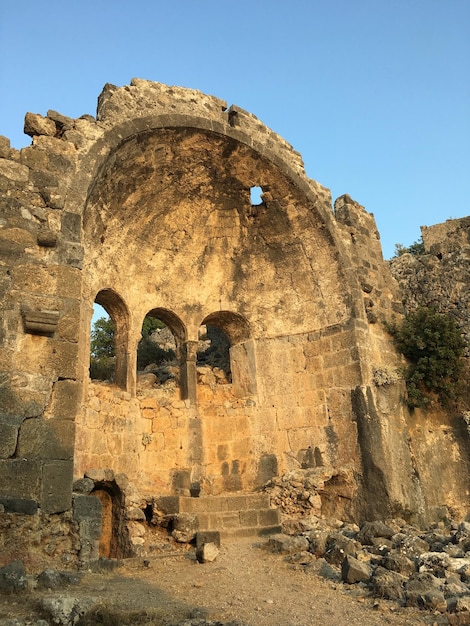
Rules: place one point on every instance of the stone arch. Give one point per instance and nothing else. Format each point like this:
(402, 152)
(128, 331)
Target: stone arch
(122, 117)
(234, 325)
(114, 542)
(241, 350)
(178, 330)
(117, 309)
(173, 322)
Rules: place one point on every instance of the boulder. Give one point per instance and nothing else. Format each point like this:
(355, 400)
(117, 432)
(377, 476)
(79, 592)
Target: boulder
(338, 546)
(433, 600)
(418, 586)
(51, 579)
(354, 571)
(457, 605)
(387, 584)
(287, 544)
(322, 568)
(185, 527)
(83, 486)
(35, 124)
(207, 553)
(13, 577)
(370, 530)
(318, 540)
(434, 562)
(399, 563)
(413, 546)
(65, 610)
(135, 514)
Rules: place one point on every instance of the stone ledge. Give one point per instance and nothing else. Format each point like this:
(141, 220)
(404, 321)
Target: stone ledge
(40, 322)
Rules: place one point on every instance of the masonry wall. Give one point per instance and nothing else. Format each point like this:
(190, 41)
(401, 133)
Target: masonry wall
(147, 209)
(439, 437)
(300, 417)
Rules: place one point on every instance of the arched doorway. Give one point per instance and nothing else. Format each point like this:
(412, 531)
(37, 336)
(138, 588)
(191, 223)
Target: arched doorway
(114, 540)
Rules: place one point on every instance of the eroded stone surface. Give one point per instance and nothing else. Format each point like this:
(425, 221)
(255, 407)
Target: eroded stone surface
(147, 209)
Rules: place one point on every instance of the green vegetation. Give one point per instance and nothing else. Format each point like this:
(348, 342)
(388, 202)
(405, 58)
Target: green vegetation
(433, 345)
(416, 248)
(103, 358)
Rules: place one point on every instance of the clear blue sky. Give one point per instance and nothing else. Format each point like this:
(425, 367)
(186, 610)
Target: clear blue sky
(375, 94)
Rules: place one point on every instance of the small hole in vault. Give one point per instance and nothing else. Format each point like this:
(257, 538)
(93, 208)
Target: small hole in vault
(255, 195)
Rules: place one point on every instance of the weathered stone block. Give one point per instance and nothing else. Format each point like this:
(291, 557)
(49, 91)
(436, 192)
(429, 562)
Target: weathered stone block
(168, 504)
(86, 508)
(71, 226)
(64, 400)
(370, 530)
(13, 577)
(65, 610)
(207, 536)
(56, 495)
(23, 506)
(248, 518)
(136, 515)
(10, 249)
(387, 584)
(51, 579)
(8, 439)
(230, 520)
(48, 185)
(21, 478)
(4, 147)
(285, 544)
(184, 527)
(83, 486)
(40, 322)
(54, 281)
(269, 517)
(100, 474)
(46, 439)
(354, 571)
(207, 553)
(46, 238)
(35, 124)
(14, 172)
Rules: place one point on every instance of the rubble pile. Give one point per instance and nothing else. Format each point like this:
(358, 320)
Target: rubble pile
(304, 492)
(393, 560)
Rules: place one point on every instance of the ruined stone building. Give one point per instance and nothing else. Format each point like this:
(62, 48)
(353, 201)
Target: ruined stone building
(147, 209)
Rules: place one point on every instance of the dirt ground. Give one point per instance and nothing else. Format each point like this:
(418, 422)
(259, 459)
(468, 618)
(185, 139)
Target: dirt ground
(246, 583)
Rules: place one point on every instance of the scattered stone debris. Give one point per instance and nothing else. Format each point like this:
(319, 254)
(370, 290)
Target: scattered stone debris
(393, 560)
(305, 491)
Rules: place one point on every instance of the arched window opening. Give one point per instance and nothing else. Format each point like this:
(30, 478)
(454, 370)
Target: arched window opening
(102, 353)
(158, 351)
(238, 363)
(234, 325)
(213, 356)
(108, 338)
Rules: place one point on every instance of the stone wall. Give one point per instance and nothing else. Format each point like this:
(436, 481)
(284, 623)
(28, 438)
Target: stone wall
(146, 209)
(440, 277)
(438, 437)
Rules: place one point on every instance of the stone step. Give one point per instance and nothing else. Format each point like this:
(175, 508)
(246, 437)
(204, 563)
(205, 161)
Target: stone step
(219, 504)
(240, 515)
